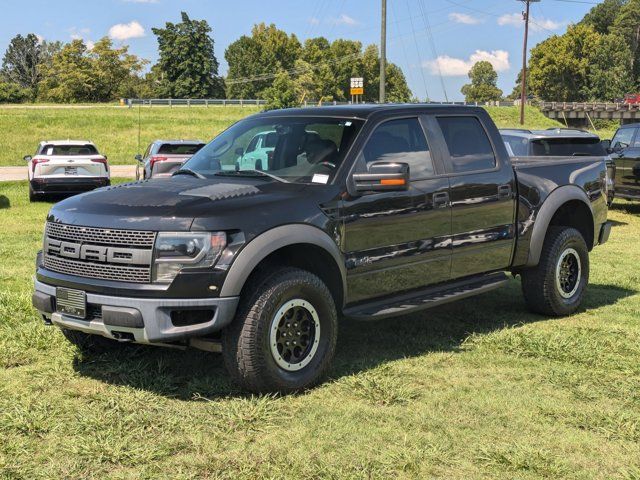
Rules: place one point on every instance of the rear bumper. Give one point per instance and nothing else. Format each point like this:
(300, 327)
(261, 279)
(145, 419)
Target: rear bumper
(144, 320)
(67, 184)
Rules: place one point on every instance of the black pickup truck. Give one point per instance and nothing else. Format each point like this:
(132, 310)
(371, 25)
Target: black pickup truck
(367, 212)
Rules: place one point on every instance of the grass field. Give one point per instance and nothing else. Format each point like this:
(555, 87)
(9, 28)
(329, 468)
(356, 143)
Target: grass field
(476, 389)
(115, 129)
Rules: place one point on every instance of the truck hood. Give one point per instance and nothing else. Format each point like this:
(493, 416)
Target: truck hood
(178, 204)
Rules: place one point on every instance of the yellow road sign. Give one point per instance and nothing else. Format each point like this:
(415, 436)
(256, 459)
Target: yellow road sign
(357, 91)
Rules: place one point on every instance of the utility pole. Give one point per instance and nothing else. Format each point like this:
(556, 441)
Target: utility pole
(523, 93)
(383, 51)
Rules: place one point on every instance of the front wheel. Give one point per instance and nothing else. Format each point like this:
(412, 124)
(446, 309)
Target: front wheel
(283, 338)
(557, 284)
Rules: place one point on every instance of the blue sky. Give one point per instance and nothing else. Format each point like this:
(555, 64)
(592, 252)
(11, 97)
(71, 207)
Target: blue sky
(463, 31)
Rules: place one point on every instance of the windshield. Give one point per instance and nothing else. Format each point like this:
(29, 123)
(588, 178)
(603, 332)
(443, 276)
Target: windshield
(567, 147)
(294, 149)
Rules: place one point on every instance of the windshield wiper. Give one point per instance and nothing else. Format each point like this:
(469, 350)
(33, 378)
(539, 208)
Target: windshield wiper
(188, 171)
(251, 173)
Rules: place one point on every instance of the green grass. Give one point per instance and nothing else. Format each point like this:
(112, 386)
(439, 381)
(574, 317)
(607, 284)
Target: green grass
(477, 389)
(113, 129)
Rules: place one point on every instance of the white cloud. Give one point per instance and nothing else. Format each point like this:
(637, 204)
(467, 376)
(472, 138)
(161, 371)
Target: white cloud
(345, 19)
(536, 24)
(89, 43)
(125, 31)
(464, 18)
(314, 21)
(40, 38)
(141, 1)
(456, 67)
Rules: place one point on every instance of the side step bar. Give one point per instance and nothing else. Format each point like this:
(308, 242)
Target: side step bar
(423, 299)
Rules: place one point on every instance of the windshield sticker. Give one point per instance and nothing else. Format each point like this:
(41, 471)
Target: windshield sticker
(320, 178)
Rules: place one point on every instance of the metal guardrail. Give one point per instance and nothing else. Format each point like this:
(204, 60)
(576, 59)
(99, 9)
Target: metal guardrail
(190, 102)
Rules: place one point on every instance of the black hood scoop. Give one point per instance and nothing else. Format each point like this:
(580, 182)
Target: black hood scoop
(221, 191)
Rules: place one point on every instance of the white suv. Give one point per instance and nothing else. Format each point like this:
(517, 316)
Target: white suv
(66, 166)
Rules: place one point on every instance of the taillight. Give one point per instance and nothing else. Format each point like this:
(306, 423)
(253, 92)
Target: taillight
(153, 160)
(102, 161)
(36, 161)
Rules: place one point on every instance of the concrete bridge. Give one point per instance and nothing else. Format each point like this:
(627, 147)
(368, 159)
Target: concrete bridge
(582, 112)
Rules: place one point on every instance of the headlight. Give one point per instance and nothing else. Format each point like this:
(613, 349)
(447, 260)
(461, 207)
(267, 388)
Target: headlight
(175, 251)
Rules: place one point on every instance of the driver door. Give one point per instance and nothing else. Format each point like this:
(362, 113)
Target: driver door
(398, 240)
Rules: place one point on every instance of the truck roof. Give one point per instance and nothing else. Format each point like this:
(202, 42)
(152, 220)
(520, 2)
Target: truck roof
(364, 110)
(549, 133)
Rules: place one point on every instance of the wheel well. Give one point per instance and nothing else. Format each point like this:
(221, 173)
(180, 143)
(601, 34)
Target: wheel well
(577, 215)
(307, 257)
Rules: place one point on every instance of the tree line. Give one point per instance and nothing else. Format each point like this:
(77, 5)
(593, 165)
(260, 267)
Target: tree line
(268, 64)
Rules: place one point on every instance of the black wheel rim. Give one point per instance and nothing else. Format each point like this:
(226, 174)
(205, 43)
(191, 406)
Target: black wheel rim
(295, 334)
(568, 272)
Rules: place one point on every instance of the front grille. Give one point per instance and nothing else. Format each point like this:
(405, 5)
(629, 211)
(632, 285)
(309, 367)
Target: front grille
(92, 263)
(101, 236)
(97, 270)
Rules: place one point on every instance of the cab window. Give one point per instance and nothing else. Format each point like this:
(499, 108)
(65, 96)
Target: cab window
(469, 147)
(623, 138)
(400, 140)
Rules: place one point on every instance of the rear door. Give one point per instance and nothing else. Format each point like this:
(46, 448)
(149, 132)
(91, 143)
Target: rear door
(398, 241)
(627, 142)
(482, 190)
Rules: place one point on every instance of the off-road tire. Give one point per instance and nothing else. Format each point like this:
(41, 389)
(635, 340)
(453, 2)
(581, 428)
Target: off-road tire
(87, 343)
(246, 343)
(541, 292)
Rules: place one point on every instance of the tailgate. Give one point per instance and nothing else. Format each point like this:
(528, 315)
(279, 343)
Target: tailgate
(76, 166)
(169, 164)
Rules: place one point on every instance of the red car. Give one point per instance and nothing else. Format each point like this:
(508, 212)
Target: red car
(632, 99)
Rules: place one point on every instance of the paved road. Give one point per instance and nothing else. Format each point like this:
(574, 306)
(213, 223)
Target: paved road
(20, 173)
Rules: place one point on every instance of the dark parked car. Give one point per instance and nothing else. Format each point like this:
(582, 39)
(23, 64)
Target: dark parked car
(625, 153)
(558, 143)
(366, 212)
(163, 157)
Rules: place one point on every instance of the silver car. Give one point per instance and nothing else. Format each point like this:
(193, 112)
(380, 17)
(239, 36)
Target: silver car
(163, 157)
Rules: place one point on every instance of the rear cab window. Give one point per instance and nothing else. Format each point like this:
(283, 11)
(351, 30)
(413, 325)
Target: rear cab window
(468, 143)
(519, 145)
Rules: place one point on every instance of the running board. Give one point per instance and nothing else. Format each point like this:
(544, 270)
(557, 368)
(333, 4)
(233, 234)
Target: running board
(423, 299)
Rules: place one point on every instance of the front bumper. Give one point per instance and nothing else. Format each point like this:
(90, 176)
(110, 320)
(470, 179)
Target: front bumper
(68, 184)
(143, 320)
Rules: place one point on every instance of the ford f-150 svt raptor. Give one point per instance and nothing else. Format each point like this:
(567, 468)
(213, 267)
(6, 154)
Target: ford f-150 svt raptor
(364, 211)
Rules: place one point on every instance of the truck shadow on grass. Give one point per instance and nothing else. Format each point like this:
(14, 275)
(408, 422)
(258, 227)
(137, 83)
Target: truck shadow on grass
(192, 374)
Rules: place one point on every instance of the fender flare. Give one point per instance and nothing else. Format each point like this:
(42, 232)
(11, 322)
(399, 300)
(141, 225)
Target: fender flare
(550, 206)
(268, 242)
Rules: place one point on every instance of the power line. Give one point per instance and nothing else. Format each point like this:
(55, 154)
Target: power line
(415, 40)
(432, 42)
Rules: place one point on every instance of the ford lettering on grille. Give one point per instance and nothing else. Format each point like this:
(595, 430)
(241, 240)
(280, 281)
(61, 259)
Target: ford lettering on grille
(99, 253)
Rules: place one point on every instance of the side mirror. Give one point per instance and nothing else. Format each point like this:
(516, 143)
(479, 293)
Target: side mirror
(618, 147)
(138, 157)
(383, 177)
(239, 151)
(27, 158)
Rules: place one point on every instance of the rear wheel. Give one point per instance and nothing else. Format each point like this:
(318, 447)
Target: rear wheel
(557, 284)
(33, 196)
(284, 335)
(90, 343)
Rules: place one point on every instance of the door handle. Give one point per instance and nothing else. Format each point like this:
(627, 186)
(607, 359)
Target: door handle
(440, 199)
(504, 191)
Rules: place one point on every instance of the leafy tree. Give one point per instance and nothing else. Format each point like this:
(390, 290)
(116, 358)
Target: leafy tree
(187, 64)
(77, 74)
(602, 16)
(13, 93)
(253, 60)
(281, 94)
(517, 88)
(69, 77)
(347, 58)
(397, 89)
(23, 61)
(626, 26)
(484, 83)
(580, 65)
